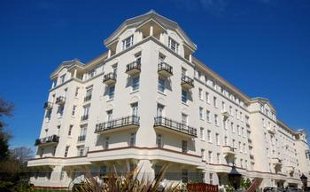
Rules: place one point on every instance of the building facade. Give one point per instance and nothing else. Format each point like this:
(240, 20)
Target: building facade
(148, 102)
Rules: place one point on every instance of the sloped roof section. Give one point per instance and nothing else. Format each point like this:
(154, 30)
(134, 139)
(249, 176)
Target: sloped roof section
(136, 21)
(67, 64)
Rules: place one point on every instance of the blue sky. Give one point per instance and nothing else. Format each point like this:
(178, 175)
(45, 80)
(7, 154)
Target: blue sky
(260, 46)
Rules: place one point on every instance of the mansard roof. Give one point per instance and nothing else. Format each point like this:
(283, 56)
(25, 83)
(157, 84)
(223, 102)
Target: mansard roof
(67, 64)
(151, 15)
(263, 101)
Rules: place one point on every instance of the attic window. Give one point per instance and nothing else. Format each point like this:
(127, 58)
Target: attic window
(128, 42)
(173, 45)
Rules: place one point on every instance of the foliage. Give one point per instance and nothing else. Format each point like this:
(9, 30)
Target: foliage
(229, 188)
(245, 183)
(129, 182)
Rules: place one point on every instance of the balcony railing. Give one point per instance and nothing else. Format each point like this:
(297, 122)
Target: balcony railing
(125, 122)
(48, 105)
(84, 117)
(228, 150)
(47, 140)
(164, 69)
(175, 126)
(81, 138)
(87, 98)
(60, 100)
(133, 68)
(187, 82)
(109, 78)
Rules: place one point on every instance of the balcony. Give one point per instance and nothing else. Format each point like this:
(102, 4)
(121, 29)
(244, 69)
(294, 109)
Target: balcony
(81, 138)
(225, 115)
(290, 169)
(164, 69)
(53, 139)
(276, 161)
(87, 98)
(109, 78)
(133, 68)
(187, 82)
(125, 123)
(271, 130)
(162, 123)
(48, 105)
(228, 150)
(84, 117)
(60, 100)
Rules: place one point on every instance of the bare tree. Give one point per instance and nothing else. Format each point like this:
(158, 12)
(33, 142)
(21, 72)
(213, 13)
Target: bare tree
(22, 154)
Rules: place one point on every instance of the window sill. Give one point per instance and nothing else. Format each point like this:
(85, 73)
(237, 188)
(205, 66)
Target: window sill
(185, 104)
(134, 91)
(162, 93)
(110, 100)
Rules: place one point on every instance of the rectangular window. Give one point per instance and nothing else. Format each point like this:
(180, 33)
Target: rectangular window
(135, 83)
(209, 136)
(226, 141)
(160, 110)
(73, 110)
(238, 130)
(159, 141)
(76, 92)
(173, 45)
(111, 91)
(215, 101)
(66, 151)
(132, 141)
(223, 106)
(109, 115)
(134, 109)
(230, 110)
(216, 121)
(184, 146)
(217, 139)
(210, 157)
(201, 113)
(62, 78)
(202, 133)
(106, 143)
(203, 154)
(91, 73)
(208, 116)
(211, 178)
(184, 119)
(70, 130)
(207, 97)
(184, 175)
(218, 158)
(128, 42)
(161, 85)
(200, 94)
(80, 151)
(83, 132)
(184, 96)
(86, 109)
(232, 127)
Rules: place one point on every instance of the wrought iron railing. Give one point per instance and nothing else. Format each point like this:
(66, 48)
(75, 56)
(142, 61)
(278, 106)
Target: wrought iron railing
(109, 76)
(117, 123)
(49, 139)
(133, 65)
(187, 80)
(164, 66)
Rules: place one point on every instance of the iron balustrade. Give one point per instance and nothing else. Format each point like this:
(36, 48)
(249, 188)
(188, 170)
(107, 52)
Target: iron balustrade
(48, 105)
(49, 139)
(174, 125)
(121, 122)
(60, 100)
(187, 80)
(164, 66)
(134, 65)
(81, 138)
(84, 117)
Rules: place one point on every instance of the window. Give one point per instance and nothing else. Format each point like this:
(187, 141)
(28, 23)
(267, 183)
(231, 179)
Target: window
(184, 119)
(238, 130)
(239, 146)
(83, 132)
(159, 141)
(218, 158)
(208, 116)
(184, 146)
(244, 148)
(173, 45)
(201, 113)
(210, 157)
(224, 124)
(233, 143)
(241, 163)
(103, 171)
(91, 73)
(106, 143)
(217, 139)
(203, 154)
(70, 130)
(232, 127)
(109, 115)
(85, 112)
(215, 101)
(237, 114)
(128, 42)
(230, 110)
(200, 94)
(89, 91)
(223, 106)
(66, 151)
(202, 133)
(207, 97)
(73, 110)
(160, 110)
(135, 83)
(60, 110)
(80, 151)
(134, 109)
(62, 78)
(111, 91)
(225, 140)
(184, 96)
(161, 84)
(209, 136)
(132, 141)
(216, 121)
(76, 92)
(211, 178)
(184, 175)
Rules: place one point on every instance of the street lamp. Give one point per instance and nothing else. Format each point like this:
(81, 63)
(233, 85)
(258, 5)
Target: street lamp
(304, 180)
(234, 177)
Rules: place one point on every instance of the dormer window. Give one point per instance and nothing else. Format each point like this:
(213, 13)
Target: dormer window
(128, 42)
(62, 78)
(173, 45)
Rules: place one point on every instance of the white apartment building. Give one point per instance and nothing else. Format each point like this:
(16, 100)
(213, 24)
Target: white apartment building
(148, 102)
